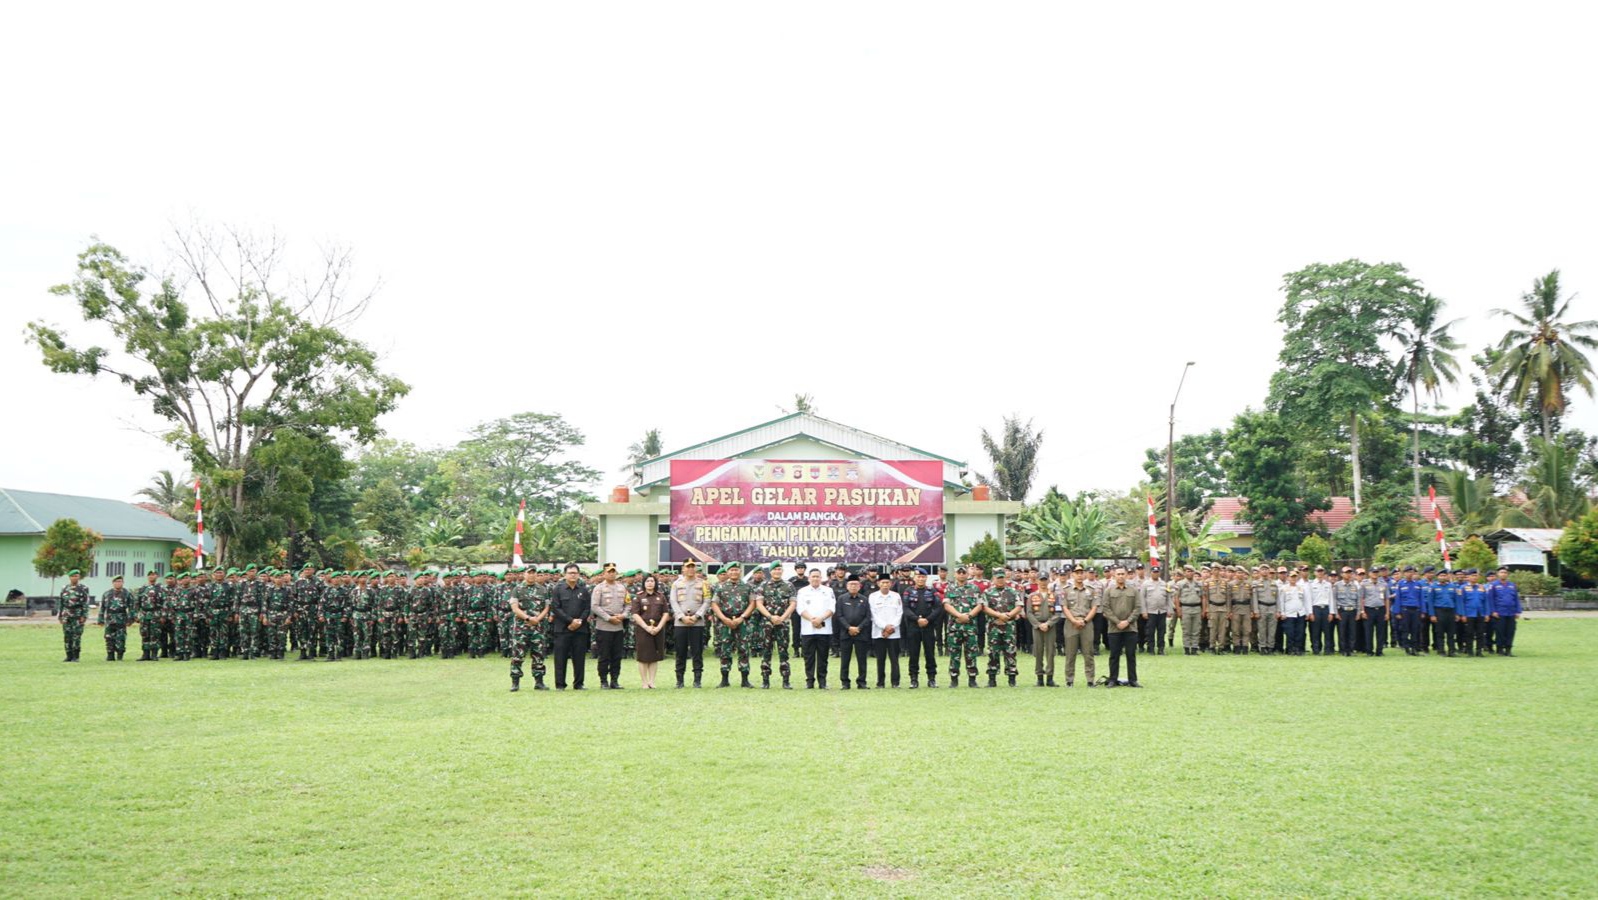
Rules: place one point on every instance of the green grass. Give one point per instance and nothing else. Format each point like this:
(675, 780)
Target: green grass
(1224, 777)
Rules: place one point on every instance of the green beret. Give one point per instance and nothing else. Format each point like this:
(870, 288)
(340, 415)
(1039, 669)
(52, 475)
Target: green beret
(631, 572)
(250, 568)
(232, 571)
(75, 572)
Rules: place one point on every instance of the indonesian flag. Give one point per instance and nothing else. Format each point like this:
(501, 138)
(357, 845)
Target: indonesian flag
(199, 529)
(1437, 519)
(521, 518)
(1154, 542)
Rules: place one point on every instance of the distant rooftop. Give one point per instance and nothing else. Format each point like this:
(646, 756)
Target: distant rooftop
(31, 512)
(1227, 511)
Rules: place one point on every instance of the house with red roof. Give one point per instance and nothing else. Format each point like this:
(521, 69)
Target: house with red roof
(1226, 513)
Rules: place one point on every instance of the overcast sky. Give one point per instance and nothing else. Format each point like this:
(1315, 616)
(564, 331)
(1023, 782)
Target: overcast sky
(925, 215)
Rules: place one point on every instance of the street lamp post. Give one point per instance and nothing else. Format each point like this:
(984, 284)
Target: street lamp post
(1170, 477)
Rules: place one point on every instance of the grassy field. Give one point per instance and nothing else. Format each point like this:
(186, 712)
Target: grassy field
(1224, 777)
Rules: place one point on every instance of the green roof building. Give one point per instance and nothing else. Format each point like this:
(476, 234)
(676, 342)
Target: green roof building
(137, 539)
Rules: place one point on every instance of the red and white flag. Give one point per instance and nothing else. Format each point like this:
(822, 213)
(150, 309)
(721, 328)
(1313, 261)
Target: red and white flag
(1437, 519)
(1154, 542)
(521, 518)
(199, 529)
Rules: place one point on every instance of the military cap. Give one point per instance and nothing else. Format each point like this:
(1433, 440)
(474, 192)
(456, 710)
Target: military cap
(250, 568)
(115, 578)
(75, 572)
(1409, 568)
(1470, 572)
(1429, 569)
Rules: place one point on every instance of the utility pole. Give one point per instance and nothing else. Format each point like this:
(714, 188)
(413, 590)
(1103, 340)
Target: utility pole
(1170, 477)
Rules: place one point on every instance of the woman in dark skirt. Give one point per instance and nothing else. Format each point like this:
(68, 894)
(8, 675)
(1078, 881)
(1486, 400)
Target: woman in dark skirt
(651, 612)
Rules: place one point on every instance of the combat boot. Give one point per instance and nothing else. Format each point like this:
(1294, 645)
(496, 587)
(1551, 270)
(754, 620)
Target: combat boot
(615, 683)
(954, 681)
(724, 681)
(1040, 680)
(914, 684)
(1051, 683)
(765, 682)
(679, 679)
(119, 655)
(515, 684)
(538, 683)
(111, 657)
(993, 680)
(1012, 681)
(785, 684)
(696, 680)
(744, 680)
(932, 681)
(971, 681)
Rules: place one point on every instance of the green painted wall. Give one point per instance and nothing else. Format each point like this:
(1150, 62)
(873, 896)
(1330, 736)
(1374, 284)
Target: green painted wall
(16, 564)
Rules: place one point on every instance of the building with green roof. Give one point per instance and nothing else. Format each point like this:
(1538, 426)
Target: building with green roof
(138, 539)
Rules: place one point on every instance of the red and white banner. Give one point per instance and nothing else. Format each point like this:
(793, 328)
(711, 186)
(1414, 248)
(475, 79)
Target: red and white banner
(1437, 519)
(199, 529)
(521, 519)
(1154, 543)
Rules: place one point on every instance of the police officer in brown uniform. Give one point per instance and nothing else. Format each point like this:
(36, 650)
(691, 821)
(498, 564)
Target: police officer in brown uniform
(1120, 608)
(1188, 596)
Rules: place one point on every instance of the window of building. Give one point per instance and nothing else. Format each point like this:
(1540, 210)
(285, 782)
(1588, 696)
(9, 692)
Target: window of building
(138, 570)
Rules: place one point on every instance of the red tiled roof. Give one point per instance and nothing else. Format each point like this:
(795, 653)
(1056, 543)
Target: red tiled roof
(1227, 511)
(152, 507)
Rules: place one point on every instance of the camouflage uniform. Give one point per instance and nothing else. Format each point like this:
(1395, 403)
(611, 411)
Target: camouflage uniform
(149, 603)
(502, 617)
(389, 600)
(420, 609)
(116, 609)
(962, 636)
(479, 612)
(530, 640)
(363, 608)
(73, 610)
(335, 612)
(306, 594)
(218, 600)
(181, 603)
(1001, 635)
(734, 598)
(250, 594)
(776, 594)
(279, 607)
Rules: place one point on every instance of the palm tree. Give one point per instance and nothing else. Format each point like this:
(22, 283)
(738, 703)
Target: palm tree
(1553, 498)
(1062, 528)
(1545, 352)
(642, 450)
(1427, 362)
(168, 493)
(1471, 498)
(1015, 459)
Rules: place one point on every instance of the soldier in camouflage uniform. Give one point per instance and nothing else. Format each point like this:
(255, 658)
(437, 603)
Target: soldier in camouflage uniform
(963, 603)
(420, 612)
(363, 609)
(217, 602)
(149, 602)
(774, 601)
(72, 610)
(390, 596)
(335, 612)
(278, 608)
(479, 615)
(307, 591)
(249, 595)
(529, 606)
(116, 610)
(1003, 605)
(181, 606)
(732, 603)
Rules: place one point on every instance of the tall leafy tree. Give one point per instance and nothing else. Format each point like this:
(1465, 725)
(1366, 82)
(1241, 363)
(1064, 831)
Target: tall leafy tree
(230, 352)
(385, 512)
(1014, 458)
(1200, 476)
(1262, 461)
(1485, 435)
(1552, 495)
(1426, 362)
(1542, 356)
(524, 456)
(1334, 367)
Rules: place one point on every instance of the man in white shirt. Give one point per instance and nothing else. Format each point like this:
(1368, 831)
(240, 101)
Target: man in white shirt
(815, 603)
(1320, 611)
(1294, 600)
(887, 614)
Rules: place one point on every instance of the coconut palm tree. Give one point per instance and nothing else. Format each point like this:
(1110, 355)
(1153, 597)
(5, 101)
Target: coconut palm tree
(168, 493)
(1552, 497)
(1014, 457)
(1544, 354)
(1427, 362)
(642, 450)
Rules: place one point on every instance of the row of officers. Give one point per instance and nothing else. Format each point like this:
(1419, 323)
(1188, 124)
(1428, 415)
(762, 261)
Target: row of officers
(255, 611)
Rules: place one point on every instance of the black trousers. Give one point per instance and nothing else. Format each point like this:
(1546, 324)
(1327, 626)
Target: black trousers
(1153, 630)
(856, 647)
(1375, 630)
(1347, 626)
(1410, 622)
(886, 649)
(1444, 633)
(920, 640)
(572, 645)
(690, 644)
(1320, 628)
(1504, 633)
(1123, 642)
(607, 650)
(1292, 629)
(817, 649)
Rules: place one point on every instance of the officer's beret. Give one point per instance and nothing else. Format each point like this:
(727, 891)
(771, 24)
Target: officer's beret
(250, 568)
(116, 578)
(307, 566)
(75, 572)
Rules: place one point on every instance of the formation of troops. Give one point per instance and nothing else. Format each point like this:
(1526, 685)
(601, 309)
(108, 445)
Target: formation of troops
(532, 614)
